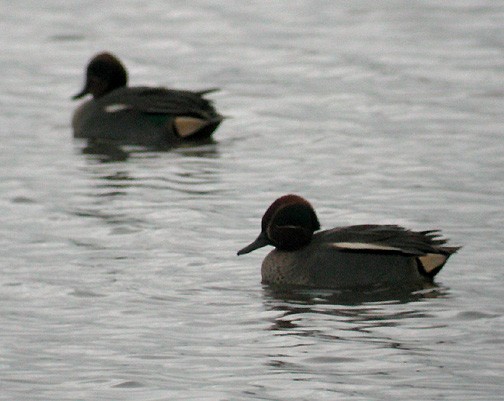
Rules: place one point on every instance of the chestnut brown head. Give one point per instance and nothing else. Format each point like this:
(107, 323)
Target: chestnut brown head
(104, 73)
(288, 225)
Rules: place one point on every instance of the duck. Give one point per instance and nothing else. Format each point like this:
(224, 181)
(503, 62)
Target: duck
(367, 255)
(139, 115)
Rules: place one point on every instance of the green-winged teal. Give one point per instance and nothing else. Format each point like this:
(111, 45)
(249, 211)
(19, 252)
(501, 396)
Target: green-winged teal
(360, 255)
(139, 115)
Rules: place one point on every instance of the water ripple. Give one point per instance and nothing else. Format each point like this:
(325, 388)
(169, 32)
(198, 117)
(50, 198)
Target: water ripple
(119, 275)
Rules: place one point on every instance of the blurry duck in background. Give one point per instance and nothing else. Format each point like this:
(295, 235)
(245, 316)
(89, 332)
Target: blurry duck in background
(141, 115)
(353, 256)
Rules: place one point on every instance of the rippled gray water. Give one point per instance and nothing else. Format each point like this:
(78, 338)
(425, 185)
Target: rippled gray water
(119, 280)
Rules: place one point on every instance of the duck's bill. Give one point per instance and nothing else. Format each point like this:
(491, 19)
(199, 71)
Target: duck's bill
(82, 93)
(260, 241)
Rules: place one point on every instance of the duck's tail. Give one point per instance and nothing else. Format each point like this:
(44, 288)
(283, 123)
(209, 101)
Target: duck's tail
(207, 91)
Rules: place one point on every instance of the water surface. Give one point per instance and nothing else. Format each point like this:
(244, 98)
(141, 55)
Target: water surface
(119, 279)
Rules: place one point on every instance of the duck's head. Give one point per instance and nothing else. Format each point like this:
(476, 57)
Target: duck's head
(288, 224)
(104, 73)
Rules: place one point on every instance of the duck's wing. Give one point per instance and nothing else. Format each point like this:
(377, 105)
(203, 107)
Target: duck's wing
(387, 238)
(427, 247)
(163, 101)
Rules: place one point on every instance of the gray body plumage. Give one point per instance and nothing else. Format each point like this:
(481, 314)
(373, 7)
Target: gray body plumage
(142, 115)
(362, 255)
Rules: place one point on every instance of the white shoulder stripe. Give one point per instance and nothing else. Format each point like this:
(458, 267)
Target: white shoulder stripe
(114, 108)
(364, 246)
